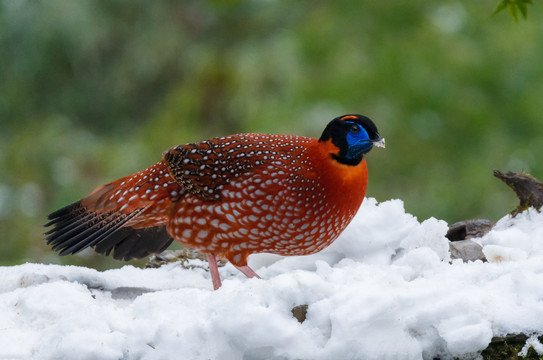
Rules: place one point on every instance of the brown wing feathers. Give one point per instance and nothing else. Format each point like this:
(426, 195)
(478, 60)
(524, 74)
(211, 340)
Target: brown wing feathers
(202, 169)
(191, 166)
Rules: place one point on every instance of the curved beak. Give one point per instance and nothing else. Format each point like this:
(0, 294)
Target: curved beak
(379, 142)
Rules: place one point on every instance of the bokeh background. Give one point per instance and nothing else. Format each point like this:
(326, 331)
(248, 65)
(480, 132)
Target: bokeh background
(94, 90)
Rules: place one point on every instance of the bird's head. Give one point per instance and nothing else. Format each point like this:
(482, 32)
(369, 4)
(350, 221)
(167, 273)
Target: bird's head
(353, 136)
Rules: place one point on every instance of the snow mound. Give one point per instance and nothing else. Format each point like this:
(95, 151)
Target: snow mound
(386, 289)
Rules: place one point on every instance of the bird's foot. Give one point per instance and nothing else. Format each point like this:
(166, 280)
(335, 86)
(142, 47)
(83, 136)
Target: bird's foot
(250, 273)
(214, 270)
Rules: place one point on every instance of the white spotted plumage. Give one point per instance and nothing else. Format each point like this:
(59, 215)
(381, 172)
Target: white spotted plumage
(229, 197)
(266, 205)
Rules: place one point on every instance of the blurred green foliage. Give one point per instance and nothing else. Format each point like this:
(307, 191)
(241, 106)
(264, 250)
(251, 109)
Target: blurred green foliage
(514, 7)
(94, 90)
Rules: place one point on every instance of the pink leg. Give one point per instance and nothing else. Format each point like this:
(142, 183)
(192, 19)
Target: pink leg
(214, 270)
(250, 273)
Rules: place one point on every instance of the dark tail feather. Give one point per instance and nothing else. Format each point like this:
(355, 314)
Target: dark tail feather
(75, 228)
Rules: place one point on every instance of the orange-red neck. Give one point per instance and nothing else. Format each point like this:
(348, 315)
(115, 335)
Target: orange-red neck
(346, 184)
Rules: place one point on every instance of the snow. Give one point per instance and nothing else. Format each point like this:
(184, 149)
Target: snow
(386, 289)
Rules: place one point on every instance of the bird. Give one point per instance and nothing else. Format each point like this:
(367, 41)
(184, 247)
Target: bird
(229, 197)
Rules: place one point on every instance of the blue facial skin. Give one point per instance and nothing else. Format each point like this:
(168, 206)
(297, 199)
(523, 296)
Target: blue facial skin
(358, 143)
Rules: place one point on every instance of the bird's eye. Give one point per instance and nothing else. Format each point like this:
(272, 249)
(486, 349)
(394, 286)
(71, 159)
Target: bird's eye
(355, 129)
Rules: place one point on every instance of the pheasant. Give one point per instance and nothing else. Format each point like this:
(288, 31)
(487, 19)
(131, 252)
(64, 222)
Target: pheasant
(229, 197)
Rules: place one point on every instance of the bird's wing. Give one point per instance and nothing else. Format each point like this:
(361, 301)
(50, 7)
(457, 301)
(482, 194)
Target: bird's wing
(202, 169)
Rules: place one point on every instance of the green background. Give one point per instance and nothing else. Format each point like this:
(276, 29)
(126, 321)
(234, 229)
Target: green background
(91, 91)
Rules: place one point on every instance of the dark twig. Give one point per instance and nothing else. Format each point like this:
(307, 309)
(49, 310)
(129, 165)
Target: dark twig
(528, 189)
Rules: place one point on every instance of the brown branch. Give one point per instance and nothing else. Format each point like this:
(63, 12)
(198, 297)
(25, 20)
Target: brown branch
(528, 189)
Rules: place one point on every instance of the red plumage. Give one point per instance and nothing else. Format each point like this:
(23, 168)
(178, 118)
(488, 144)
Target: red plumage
(228, 197)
